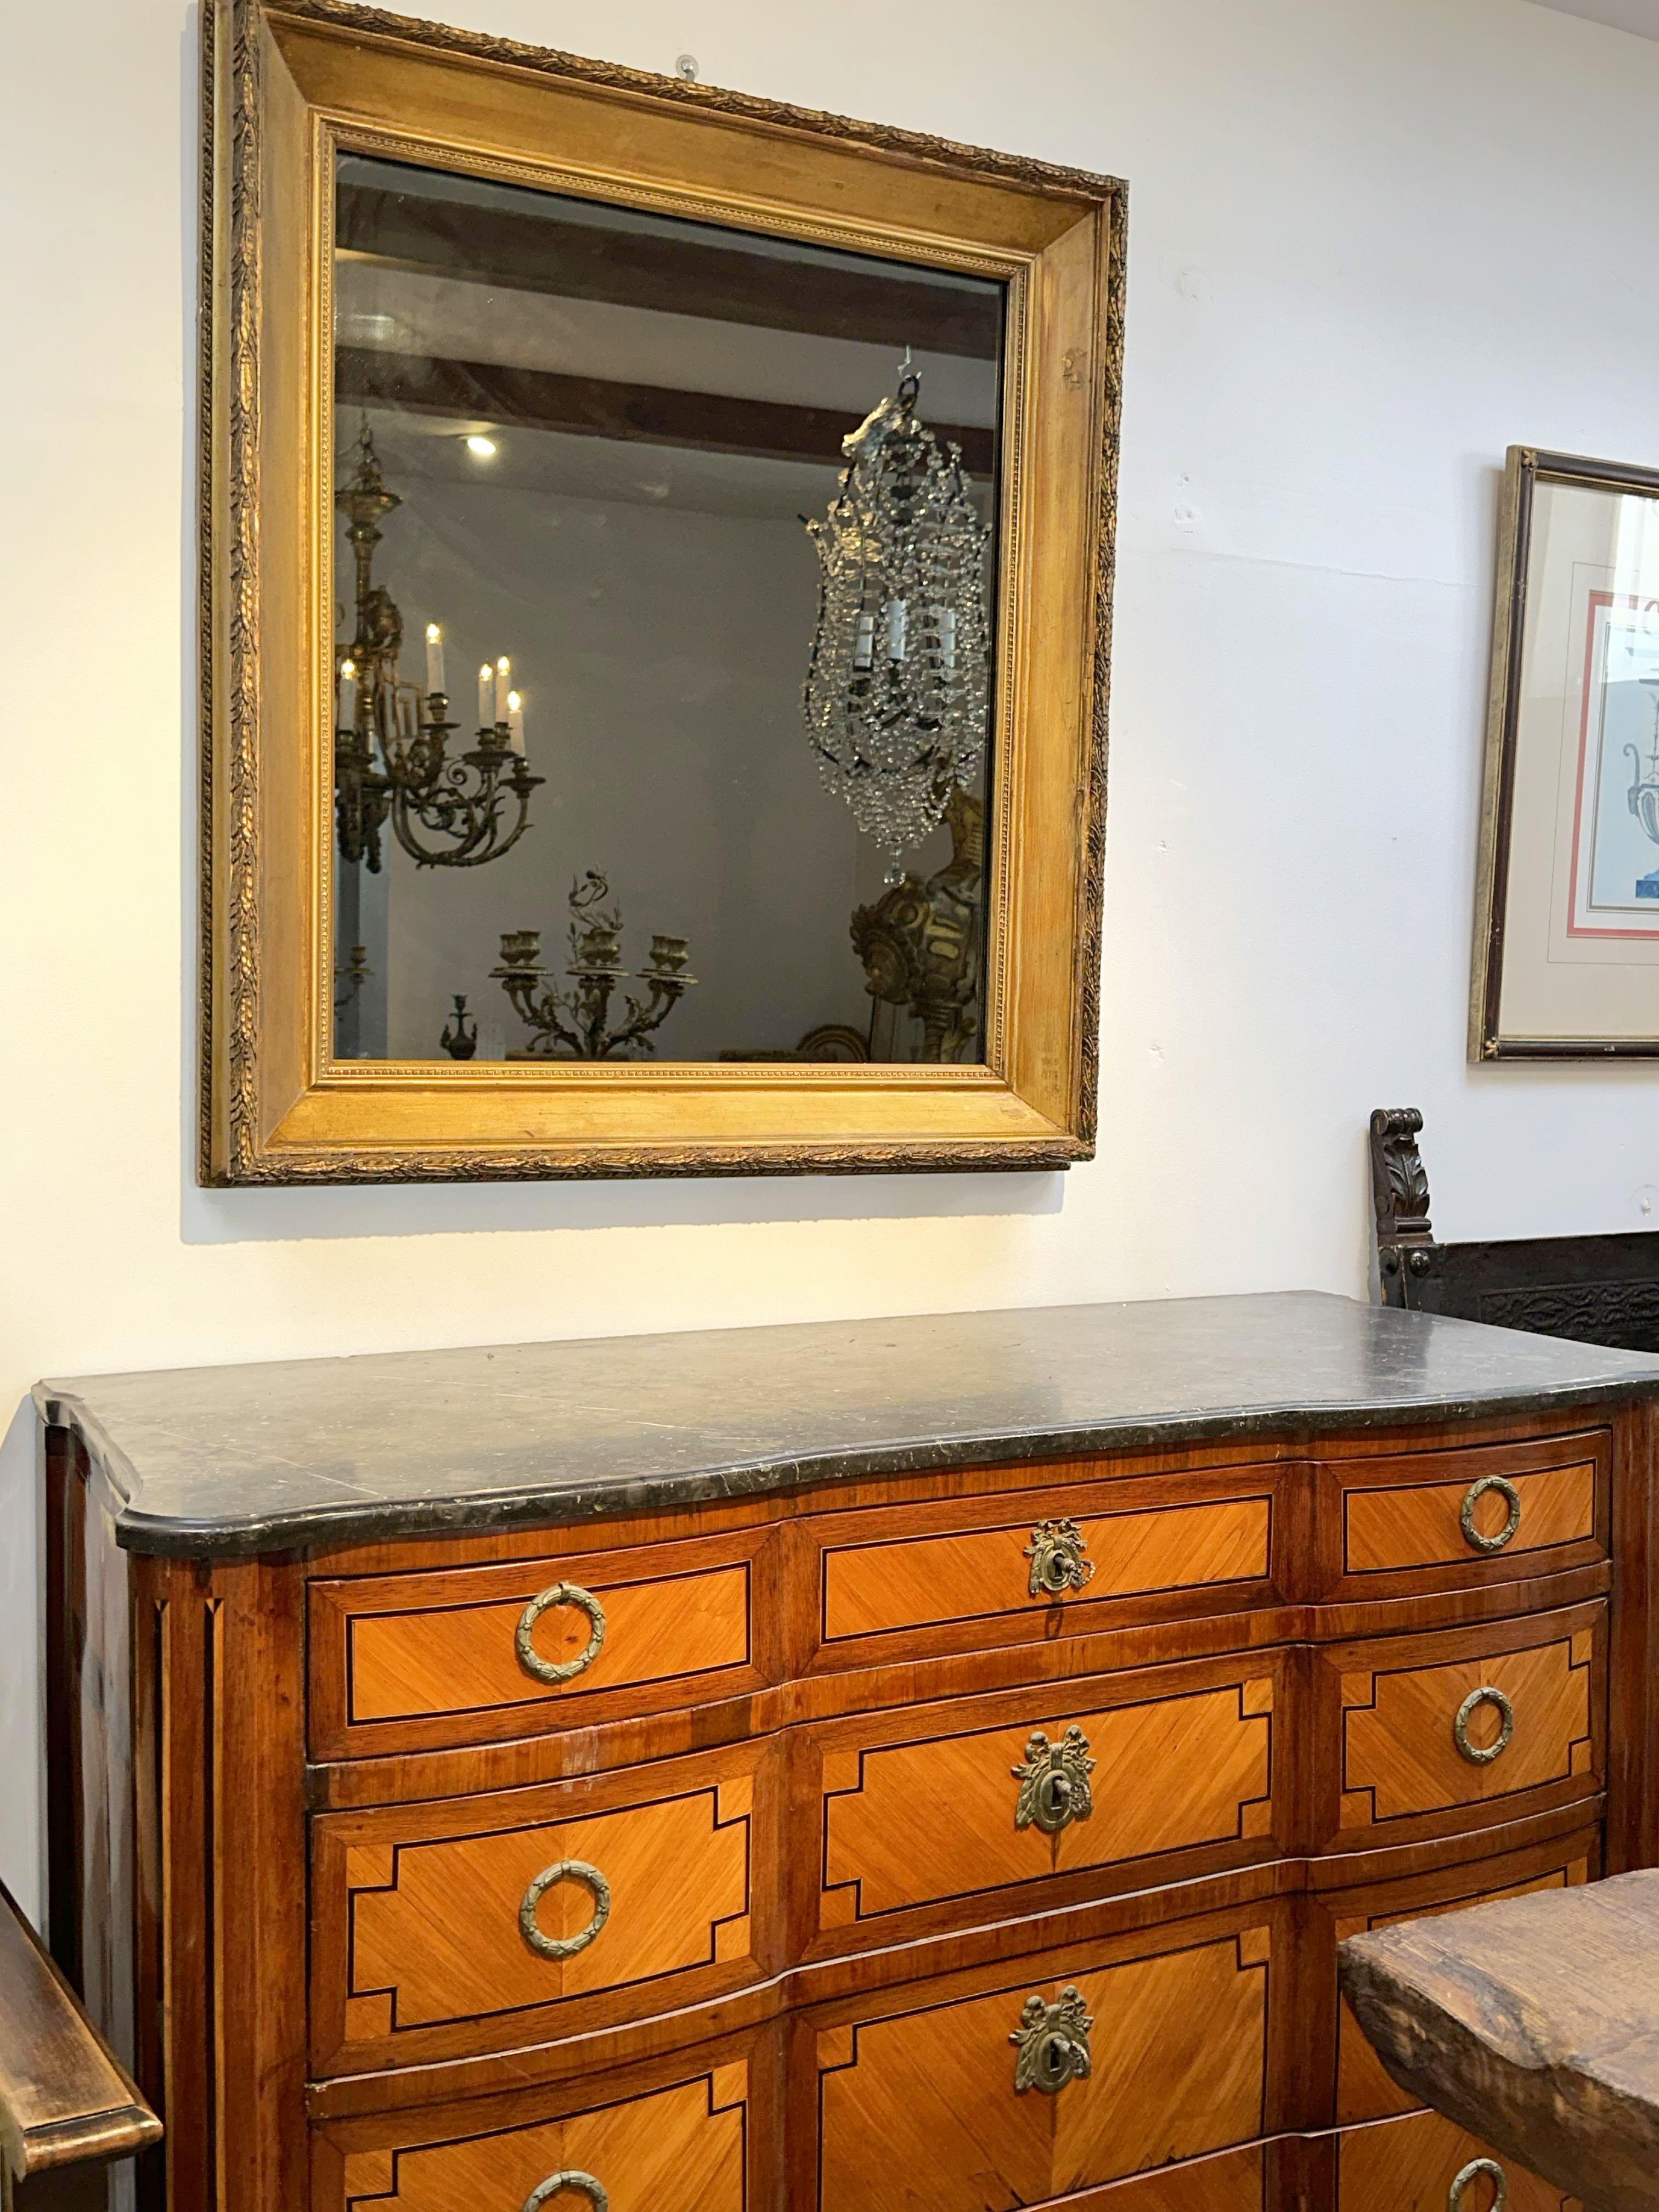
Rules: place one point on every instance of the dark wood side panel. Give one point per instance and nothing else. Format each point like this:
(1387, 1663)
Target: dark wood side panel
(219, 1712)
(1634, 1673)
(65, 1631)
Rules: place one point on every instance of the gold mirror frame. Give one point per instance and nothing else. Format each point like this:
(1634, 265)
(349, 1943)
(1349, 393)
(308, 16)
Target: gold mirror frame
(284, 86)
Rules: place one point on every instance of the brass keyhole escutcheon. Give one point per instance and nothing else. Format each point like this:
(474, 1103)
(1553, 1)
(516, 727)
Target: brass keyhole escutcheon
(559, 1670)
(1511, 1497)
(1483, 1696)
(1051, 2043)
(1057, 1553)
(564, 1947)
(1462, 2180)
(594, 2191)
(1054, 1781)
(1053, 1806)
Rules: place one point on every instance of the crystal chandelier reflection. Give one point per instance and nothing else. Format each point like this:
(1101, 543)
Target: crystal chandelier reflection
(897, 687)
(390, 739)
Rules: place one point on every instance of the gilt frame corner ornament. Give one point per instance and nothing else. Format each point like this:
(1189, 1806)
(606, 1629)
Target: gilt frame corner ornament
(285, 83)
(1535, 913)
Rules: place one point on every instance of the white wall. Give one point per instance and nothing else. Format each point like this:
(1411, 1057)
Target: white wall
(1372, 241)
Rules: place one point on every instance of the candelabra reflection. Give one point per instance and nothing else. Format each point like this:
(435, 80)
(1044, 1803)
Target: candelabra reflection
(576, 1024)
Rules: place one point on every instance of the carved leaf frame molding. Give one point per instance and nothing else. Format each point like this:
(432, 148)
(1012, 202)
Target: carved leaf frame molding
(284, 84)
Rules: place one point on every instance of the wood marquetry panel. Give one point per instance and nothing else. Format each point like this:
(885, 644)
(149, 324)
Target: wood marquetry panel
(1422, 1525)
(422, 1660)
(1229, 2181)
(919, 2112)
(1409, 2166)
(1363, 2090)
(973, 1562)
(1400, 1698)
(924, 1808)
(680, 2149)
(417, 1946)
(1393, 1526)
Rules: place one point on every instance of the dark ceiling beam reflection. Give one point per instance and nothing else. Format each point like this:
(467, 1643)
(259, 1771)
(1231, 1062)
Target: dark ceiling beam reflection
(681, 275)
(598, 407)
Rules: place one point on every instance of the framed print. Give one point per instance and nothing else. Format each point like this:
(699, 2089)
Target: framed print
(1566, 955)
(656, 552)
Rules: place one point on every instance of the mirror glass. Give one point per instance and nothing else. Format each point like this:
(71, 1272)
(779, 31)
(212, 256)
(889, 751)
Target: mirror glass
(662, 714)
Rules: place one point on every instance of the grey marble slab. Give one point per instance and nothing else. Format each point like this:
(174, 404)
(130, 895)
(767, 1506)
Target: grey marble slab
(222, 1462)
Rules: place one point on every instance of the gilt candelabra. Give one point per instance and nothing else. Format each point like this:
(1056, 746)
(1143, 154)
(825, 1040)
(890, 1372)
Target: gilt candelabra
(576, 1024)
(391, 740)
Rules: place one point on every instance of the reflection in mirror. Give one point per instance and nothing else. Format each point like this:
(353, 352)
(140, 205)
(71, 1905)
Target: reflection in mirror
(629, 761)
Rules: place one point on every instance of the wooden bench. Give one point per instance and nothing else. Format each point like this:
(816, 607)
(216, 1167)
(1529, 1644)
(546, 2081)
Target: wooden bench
(1533, 2022)
(67, 2106)
(1595, 1290)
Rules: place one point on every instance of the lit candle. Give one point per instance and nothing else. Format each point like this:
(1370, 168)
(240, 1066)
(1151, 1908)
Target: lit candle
(434, 659)
(897, 615)
(503, 685)
(486, 697)
(515, 721)
(348, 706)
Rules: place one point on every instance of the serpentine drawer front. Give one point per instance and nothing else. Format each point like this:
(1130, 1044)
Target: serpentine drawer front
(1425, 2163)
(602, 2147)
(1040, 2077)
(470, 1654)
(480, 1923)
(943, 1802)
(1431, 1520)
(1009, 1568)
(1467, 1727)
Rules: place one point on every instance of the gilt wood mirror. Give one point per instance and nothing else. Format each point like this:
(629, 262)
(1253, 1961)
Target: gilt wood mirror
(657, 555)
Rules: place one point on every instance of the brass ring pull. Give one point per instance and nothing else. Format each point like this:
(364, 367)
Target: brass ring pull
(1511, 1497)
(1052, 2044)
(564, 1947)
(594, 2191)
(1460, 2182)
(1485, 1696)
(559, 1670)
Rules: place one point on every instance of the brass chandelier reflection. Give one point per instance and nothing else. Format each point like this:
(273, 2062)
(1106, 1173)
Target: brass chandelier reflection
(577, 1024)
(390, 739)
(897, 687)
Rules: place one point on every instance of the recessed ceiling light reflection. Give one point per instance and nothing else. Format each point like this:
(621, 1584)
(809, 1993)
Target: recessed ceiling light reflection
(480, 448)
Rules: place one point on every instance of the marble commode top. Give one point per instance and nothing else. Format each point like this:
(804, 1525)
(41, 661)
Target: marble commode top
(224, 1461)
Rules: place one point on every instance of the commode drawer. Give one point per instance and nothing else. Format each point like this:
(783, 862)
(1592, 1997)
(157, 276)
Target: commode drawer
(1425, 2163)
(1406, 1524)
(677, 2136)
(1432, 1736)
(474, 1924)
(473, 1654)
(936, 1806)
(1365, 2090)
(1032, 2079)
(1057, 1557)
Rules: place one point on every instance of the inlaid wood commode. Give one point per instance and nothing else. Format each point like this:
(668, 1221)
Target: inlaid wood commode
(906, 1766)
